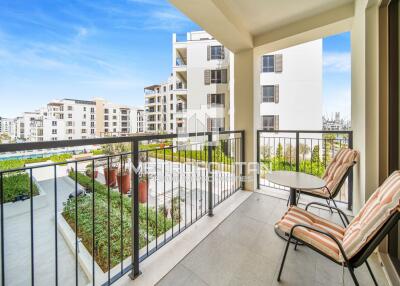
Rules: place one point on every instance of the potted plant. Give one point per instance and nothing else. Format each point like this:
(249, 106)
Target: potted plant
(123, 175)
(143, 189)
(110, 171)
(89, 169)
(162, 145)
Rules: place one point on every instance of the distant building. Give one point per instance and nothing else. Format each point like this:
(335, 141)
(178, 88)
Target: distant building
(69, 119)
(335, 123)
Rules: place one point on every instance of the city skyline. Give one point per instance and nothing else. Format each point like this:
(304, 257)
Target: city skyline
(82, 50)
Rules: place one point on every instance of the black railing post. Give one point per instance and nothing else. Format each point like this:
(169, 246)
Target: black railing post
(258, 158)
(350, 178)
(242, 159)
(135, 208)
(210, 175)
(297, 151)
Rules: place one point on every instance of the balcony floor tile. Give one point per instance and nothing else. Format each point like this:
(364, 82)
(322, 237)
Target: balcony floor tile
(244, 250)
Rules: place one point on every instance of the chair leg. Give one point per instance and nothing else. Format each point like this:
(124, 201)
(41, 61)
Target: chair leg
(288, 200)
(341, 218)
(295, 245)
(372, 274)
(353, 276)
(284, 258)
(329, 205)
(298, 198)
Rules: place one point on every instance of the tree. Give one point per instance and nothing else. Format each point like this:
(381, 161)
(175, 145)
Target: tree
(279, 151)
(315, 154)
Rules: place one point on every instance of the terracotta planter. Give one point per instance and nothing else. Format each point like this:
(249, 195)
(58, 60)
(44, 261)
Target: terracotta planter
(124, 182)
(162, 145)
(142, 191)
(89, 173)
(111, 178)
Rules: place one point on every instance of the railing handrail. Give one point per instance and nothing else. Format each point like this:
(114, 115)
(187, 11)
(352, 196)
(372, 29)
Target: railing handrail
(27, 146)
(306, 131)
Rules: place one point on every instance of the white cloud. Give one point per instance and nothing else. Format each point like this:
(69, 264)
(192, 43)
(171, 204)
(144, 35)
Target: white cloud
(337, 61)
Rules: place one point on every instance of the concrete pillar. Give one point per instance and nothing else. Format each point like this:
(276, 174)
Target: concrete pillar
(243, 103)
(365, 99)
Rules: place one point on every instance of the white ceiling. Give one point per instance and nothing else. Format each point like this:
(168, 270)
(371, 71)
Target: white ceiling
(260, 16)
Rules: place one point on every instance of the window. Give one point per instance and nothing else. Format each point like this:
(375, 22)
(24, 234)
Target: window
(69, 115)
(268, 63)
(171, 86)
(215, 124)
(171, 126)
(114, 123)
(54, 131)
(270, 93)
(165, 88)
(270, 122)
(92, 117)
(84, 116)
(171, 116)
(83, 131)
(91, 131)
(106, 124)
(91, 124)
(106, 111)
(69, 108)
(215, 76)
(215, 99)
(216, 53)
(114, 117)
(84, 108)
(171, 107)
(105, 117)
(83, 123)
(171, 96)
(114, 111)
(54, 123)
(272, 63)
(92, 109)
(69, 123)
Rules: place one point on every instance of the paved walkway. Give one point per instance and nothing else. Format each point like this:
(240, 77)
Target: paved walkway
(17, 240)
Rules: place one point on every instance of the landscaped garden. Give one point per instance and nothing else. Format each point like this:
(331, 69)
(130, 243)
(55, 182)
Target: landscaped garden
(17, 187)
(20, 163)
(117, 205)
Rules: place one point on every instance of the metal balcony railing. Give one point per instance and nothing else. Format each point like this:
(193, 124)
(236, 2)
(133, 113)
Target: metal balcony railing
(112, 210)
(302, 151)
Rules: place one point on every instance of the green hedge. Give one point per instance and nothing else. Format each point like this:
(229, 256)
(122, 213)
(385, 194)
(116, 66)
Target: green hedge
(17, 185)
(85, 226)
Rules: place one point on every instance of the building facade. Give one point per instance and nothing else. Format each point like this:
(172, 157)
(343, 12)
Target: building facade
(291, 88)
(196, 96)
(69, 119)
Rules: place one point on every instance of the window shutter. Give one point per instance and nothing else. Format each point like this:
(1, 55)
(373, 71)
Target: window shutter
(262, 64)
(224, 76)
(209, 100)
(222, 52)
(223, 99)
(207, 77)
(276, 93)
(208, 52)
(208, 124)
(278, 62)
(276, 122)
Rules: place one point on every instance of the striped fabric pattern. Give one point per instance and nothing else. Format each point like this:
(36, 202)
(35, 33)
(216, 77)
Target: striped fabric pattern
(375, 213)
(296, 215)
(335, 171)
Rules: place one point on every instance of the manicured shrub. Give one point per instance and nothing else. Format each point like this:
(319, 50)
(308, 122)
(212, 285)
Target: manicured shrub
(113, 203)
(17, 185)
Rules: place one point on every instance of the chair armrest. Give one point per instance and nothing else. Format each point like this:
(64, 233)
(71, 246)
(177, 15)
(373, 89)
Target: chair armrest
(321, 232)
(334, 208)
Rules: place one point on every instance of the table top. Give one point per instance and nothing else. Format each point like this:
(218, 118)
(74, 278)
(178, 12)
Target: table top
(295, 180)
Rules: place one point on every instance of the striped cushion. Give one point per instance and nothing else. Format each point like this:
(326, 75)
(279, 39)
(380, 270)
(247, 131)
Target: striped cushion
(297, 215)
(335, 171)
(380, 206)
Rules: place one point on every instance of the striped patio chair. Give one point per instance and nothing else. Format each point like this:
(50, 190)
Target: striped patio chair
(335, 175)
(351, 245)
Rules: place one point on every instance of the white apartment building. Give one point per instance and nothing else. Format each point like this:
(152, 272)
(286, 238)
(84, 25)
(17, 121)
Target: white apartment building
(291, 88)
(196, 96)
(7, 126)
(69, 119)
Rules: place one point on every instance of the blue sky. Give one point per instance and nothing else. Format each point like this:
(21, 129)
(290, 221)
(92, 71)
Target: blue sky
(52, 49)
